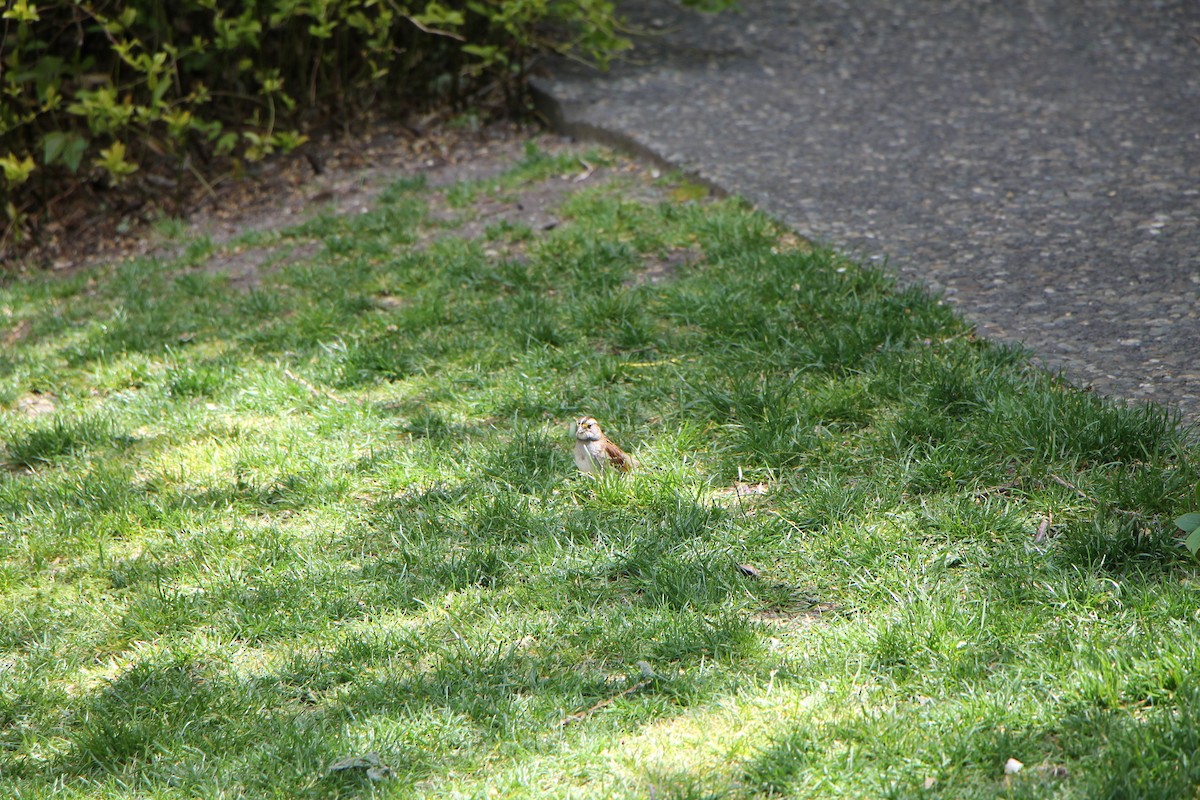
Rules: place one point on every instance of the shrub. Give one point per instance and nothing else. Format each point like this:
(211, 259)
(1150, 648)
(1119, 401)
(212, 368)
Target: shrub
(95, 89)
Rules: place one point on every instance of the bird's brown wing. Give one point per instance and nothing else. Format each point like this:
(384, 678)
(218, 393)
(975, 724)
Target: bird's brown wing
(617, 457)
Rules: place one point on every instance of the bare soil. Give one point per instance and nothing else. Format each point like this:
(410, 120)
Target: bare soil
(343, 175)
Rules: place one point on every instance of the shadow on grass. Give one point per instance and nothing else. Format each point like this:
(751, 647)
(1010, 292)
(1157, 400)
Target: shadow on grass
(506, 643)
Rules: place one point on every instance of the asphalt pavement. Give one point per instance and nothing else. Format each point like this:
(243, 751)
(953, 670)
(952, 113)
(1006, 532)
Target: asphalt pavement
(1035, 162)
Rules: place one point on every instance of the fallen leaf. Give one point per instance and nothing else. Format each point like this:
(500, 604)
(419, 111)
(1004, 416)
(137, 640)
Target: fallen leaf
(1044, 528)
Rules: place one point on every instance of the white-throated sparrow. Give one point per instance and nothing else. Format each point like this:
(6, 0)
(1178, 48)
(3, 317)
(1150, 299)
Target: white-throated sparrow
(594, 451)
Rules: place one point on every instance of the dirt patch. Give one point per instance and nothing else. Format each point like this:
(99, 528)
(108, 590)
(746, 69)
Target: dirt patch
(741, 489)
(657, 270)
(17, 332)
(246, 266)
(351, 178)
(345, 177)
(748, 498)
(36, 405)
(341, 176)
(535, 207)
(792, 619)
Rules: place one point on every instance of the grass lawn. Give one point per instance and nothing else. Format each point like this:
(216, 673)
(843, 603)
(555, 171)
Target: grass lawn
(319, 533)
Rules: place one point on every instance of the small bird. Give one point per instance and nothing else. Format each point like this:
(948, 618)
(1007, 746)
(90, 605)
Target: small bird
(594, 451)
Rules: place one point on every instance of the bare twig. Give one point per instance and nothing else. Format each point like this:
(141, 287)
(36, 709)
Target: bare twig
(208, 187)
(434, 31)
(588, 169)
(1002, 488)
(1072, 487)
(315, 391)
(582, 715)
(1089, 498)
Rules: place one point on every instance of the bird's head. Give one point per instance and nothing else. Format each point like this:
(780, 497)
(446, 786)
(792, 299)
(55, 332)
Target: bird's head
(588, 430)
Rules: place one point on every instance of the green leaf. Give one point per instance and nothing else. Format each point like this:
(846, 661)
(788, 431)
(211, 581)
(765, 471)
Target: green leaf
(437, 15)
(21, 11)
(159, 86)
(72, 155)
(1189, 523)
(52, 146)
(1192, 542)
(16, 170)
(112, 160)
(226, 143)
(489, 54)
(289, 140)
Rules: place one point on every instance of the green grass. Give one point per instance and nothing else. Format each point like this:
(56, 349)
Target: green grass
(266, 530)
